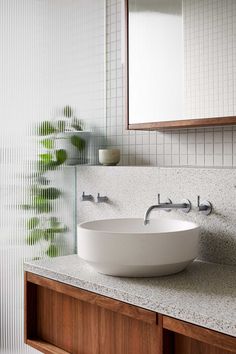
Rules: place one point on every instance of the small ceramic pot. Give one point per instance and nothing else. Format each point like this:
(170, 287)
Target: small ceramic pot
(109, 157)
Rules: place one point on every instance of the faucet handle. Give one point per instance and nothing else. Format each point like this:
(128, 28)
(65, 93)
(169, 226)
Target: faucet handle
(204, 207)
(86, 197)
(102, 199)
(188, 206)
(168, 201)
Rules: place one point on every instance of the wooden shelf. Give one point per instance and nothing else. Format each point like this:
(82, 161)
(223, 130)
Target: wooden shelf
(44, 347)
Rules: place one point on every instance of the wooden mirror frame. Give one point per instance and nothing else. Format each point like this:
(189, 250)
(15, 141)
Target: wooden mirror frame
(185, 123)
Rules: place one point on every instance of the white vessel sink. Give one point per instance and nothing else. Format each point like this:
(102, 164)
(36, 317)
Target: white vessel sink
(127, 248)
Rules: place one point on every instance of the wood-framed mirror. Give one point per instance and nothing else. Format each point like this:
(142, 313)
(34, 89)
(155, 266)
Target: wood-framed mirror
(180, 63)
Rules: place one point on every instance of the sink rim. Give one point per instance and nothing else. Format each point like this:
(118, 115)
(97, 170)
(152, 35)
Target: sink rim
(192, 226)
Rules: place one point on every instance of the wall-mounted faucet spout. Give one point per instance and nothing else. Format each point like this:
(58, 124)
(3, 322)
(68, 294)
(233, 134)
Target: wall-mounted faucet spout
(185, 206)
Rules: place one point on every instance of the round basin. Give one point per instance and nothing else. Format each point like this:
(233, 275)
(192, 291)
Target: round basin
(128, 248)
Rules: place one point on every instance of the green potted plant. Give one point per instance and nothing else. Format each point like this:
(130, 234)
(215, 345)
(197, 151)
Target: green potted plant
(63, 141)
(72, 138)
(43, 225)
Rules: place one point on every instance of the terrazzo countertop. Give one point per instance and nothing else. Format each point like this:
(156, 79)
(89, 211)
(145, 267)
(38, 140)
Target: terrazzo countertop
(203, 294)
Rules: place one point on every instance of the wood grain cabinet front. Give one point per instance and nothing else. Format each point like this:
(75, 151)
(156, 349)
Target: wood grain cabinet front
(62, 319)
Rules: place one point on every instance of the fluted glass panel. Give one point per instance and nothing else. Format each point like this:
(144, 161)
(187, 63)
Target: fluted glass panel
(51, 63)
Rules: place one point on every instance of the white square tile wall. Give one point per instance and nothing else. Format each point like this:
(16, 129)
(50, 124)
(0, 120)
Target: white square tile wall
(190, 147)
(210, 46)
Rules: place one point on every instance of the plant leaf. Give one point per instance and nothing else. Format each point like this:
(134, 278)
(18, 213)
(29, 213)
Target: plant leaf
(78, 142)
(47, 158)
(45, 128)
(32, 223)
(67, 111)
(43, 180)
(48, 143)
(61, 156)
(49, 235)
(52, 251)
(77, 124)
(35, 236)
(41, 205)
(59, 230)
(61, 124)
(47, 166)
(49, 193)
(54, 222)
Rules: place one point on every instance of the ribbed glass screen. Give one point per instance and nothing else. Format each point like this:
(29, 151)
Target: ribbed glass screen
(51, 68)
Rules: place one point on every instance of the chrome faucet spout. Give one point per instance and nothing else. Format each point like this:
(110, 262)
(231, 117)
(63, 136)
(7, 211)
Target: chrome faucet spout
(185, 207)
(146, 220)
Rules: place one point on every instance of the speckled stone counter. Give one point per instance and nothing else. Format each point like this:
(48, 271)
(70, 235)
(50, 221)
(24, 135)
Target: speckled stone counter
(204, 294)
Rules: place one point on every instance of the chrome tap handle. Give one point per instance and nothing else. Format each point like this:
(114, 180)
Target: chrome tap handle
(188, 206)
(103, 199)
(204, 207)
(86, 197)
(168, 201)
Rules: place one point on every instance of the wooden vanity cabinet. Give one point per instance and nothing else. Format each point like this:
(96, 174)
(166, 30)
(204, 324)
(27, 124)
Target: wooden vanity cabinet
(81, 322)
(62, 319)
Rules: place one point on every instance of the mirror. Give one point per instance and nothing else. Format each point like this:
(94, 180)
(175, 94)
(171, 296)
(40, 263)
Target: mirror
(180, 63)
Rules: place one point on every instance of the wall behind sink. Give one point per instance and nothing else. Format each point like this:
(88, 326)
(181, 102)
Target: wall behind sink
(131, 190)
